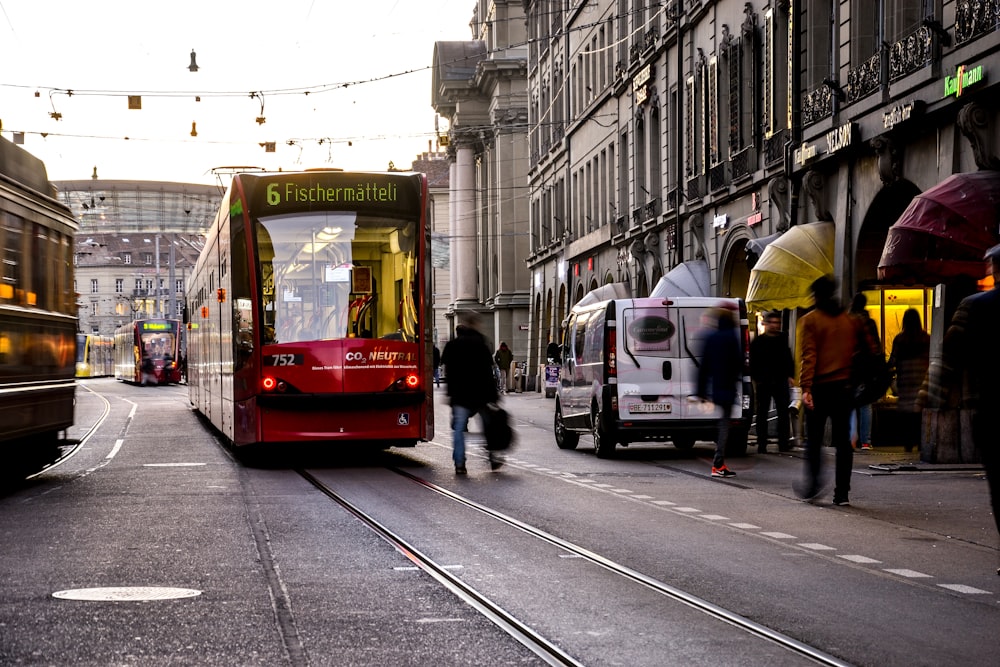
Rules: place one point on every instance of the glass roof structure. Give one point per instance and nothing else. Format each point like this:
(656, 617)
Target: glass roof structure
(116, 207)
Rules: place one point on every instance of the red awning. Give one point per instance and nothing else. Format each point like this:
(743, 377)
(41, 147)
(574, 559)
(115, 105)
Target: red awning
(944, 231)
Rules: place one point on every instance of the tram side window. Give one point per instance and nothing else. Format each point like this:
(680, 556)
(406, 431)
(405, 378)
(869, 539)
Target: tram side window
(10, 287)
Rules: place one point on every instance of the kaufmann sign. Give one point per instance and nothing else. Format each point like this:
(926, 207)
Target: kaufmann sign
(965, 77)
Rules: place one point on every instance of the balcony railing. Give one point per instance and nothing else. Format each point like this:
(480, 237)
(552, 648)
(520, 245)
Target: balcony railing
(744, 162)
(774, 147)
(974, 18)
(865, 79)
(911, 53)
(717, 177)
(817, 105)
(695, 188)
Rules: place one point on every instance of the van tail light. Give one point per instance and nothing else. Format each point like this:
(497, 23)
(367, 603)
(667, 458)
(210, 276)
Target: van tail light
(611, 352)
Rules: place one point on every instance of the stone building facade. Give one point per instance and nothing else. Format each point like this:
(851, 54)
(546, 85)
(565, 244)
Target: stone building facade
(479, 88)
(697, 131)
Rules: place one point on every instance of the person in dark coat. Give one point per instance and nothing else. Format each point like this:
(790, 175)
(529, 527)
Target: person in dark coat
(909, 360)
(773, 372)
(720, 370)
(437, 366)
(971, 349)
(829, 340)
(861, 416)
(468, 369)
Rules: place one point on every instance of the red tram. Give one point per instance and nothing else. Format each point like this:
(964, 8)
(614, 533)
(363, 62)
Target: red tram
(309, 311)
(148, 352)
(37, 314)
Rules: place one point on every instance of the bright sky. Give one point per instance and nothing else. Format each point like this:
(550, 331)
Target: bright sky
(352, 57)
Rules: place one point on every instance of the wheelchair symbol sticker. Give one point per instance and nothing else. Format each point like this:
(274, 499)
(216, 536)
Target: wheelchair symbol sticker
(403, 419)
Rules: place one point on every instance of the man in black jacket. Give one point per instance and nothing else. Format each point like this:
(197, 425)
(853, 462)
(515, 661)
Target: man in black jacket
(773, 372)
(970, 348)
(468, 369)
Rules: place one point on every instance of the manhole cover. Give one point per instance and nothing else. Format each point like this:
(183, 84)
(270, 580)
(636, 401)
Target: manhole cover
(126, 594)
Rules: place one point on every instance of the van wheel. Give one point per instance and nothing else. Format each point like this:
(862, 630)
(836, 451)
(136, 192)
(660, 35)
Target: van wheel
(565, 438)
(736, 445)
(683, 442)
(604, 442)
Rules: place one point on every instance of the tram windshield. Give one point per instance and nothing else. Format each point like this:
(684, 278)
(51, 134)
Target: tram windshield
(328, 275)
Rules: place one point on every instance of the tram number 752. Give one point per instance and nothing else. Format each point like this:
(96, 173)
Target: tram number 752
(283, 360)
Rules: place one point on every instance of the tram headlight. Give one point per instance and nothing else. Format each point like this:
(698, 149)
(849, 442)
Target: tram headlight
(412, 381)
(269, 383)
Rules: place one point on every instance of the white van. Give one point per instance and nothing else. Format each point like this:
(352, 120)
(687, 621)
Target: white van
(630, 372)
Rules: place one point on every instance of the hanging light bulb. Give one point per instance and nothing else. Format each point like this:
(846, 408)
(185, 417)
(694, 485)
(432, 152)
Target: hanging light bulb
(194, 129)
(193, 67)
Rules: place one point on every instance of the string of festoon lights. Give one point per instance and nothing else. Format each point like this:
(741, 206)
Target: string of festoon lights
(134, 101)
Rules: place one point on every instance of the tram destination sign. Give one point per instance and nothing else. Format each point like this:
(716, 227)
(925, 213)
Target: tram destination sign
(275, 194)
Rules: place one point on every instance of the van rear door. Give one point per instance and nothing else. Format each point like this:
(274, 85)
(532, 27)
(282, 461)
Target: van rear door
(649, 387)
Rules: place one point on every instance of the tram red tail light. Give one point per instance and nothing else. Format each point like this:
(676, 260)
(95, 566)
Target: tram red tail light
(405, 383)
(273, 385)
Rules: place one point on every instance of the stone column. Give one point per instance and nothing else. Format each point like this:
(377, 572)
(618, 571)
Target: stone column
(463, 239)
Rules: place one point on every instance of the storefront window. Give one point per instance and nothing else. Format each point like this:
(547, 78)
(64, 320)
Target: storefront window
(887, 305)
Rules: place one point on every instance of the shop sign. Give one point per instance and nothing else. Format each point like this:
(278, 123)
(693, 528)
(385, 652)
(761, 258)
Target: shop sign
(804, 154)
(901, 113)
(964, 77)
(840, 137)
(640, 83)
(720, 221)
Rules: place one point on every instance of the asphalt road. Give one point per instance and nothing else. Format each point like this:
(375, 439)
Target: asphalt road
(280, 575)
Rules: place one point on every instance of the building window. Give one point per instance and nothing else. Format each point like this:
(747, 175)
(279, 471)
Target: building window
(147, 257)
(127, 258)
(179, 285)
(138, 284)
(95, 308)
(93, 286)
(119, 285)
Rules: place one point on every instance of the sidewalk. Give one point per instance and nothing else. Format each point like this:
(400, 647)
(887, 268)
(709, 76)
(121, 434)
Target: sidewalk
(888, 483)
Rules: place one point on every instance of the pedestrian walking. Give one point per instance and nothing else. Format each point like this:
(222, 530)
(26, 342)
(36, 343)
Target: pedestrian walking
(829, 340)
(772, 370)
(720, 370)
(504, 357)
(437, 366)
(468, 367)
(971, 351)
(861, 415)
(909, 361)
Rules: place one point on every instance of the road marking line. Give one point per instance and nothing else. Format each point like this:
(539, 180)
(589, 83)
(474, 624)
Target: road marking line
(621, 491)
(715, 517)
(665, 503)
(780, 536)
(643, 497)
(858, 559)
(815, 546)
(114, 450)
(962, 588)
(911, 574)
(745, 526)
(687, 509)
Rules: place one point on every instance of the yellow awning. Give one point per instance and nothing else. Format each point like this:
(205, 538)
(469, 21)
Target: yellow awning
(788, 266)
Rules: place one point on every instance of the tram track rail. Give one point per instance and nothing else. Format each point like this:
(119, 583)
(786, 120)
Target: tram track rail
(519, 630)
(79, 444)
